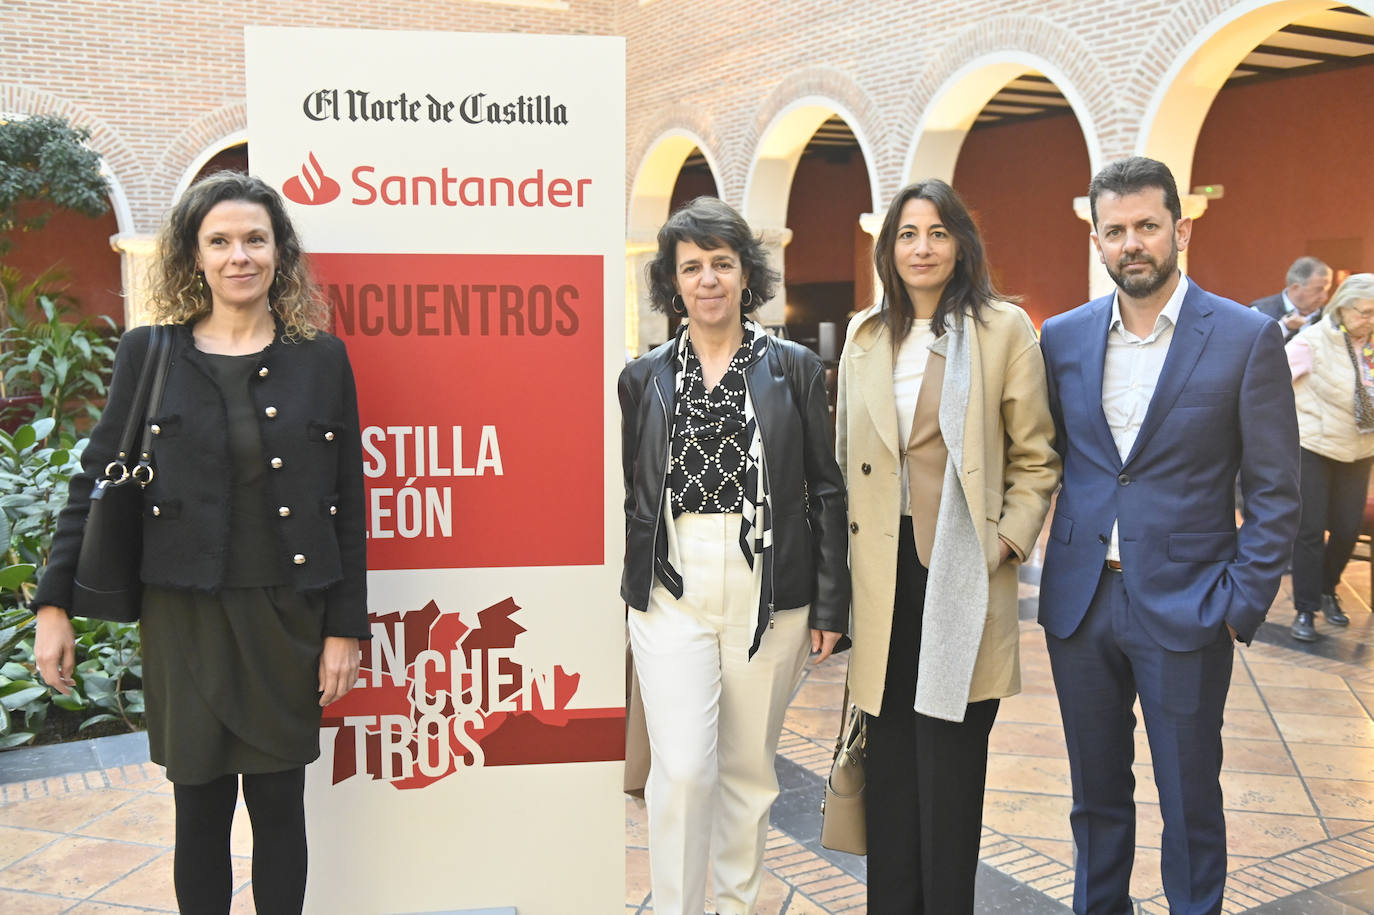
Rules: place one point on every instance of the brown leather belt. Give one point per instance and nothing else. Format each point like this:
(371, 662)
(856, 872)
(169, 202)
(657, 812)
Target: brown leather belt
(1113, 565)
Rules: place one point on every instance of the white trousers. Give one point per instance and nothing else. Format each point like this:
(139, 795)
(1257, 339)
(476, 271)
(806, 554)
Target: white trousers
(714, 717)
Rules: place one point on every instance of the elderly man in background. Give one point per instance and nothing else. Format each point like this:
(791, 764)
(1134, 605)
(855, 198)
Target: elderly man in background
(1300, 303)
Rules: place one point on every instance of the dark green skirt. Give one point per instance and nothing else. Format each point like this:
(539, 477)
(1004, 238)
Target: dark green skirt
(231, 680)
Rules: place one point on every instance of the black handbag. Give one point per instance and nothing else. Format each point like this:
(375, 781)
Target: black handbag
(107, 584)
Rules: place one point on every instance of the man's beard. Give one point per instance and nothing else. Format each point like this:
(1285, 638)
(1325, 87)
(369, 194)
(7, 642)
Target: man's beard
(1138, 286)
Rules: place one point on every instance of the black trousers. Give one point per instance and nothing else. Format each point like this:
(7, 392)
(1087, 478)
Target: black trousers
(925, 777)
(1333, 497)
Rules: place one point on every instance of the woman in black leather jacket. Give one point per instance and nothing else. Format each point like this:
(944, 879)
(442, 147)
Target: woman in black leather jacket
(254, 561)
(735, 554)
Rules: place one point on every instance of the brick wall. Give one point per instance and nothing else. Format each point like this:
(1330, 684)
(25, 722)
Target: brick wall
(159, 81)
(1298, 185)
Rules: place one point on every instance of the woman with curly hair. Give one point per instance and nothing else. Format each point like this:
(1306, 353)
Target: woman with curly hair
(734, 554)
(254, 563)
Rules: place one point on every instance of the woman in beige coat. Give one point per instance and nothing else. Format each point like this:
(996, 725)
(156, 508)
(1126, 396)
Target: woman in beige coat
(945, 440)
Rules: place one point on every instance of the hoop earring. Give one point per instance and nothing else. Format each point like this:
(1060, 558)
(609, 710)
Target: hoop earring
(678, 309)
(749, 302)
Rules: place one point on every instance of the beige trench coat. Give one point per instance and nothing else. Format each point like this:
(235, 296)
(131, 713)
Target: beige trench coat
(1010, 470)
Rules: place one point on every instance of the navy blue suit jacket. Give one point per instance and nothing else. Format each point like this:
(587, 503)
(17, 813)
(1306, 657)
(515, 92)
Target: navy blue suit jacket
(1223, 405)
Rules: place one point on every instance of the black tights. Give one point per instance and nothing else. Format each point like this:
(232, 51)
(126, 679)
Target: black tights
(204, 813)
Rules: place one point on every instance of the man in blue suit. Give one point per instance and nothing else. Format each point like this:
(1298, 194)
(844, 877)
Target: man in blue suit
(1161, 393)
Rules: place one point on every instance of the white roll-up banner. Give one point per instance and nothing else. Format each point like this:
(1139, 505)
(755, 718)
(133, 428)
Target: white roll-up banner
(461, 197)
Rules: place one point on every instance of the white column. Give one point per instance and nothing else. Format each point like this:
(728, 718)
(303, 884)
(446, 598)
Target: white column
(872, 223)
(136, 256)
(1194, 206)
(1099, 281)
(775, 240)
(643, 325)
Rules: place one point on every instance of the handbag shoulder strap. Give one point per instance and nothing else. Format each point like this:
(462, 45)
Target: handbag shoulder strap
(118, 468)
(143, 472)
(850, 718)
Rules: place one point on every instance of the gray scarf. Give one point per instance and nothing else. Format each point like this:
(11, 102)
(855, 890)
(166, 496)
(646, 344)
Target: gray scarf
(956, 590)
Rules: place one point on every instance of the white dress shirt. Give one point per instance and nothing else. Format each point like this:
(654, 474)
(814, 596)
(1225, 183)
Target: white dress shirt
(1129, 376)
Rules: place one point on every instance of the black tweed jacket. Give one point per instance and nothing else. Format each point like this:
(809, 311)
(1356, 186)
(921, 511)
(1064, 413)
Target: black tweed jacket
(308, 417)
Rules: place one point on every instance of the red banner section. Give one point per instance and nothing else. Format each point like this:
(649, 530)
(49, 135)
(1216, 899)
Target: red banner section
(438, 696)
(480, 392)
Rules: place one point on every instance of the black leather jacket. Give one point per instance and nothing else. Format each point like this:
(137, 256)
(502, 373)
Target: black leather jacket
(787, 386)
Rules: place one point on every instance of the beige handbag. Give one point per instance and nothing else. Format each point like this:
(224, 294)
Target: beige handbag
(842, 811)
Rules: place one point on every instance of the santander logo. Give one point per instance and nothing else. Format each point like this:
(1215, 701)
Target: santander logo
(312, 186)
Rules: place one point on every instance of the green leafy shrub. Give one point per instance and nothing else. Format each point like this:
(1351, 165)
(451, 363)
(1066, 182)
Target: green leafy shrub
(35, 467)
(66, 363)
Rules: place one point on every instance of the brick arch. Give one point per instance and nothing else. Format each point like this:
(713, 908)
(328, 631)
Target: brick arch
(680, 121)
(193, 169)
(814, 90)
(212, 131)
(1191, 54)
(825, 86)
(655, 177)
(980, 59)
(124, 173)
(822, 83)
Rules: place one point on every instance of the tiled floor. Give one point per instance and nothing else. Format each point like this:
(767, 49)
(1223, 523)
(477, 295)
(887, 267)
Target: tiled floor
(1298, 780)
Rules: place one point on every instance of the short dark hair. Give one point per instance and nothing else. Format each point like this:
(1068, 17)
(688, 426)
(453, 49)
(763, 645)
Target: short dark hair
(1130, 176)
(1303, 268)
(709, 223)
(969, 288)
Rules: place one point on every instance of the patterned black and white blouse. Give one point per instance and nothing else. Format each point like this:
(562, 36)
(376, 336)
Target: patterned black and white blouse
(710, 443)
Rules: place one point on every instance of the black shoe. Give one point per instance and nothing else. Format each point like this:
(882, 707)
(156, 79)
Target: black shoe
(1303, 628)
(1331, 609)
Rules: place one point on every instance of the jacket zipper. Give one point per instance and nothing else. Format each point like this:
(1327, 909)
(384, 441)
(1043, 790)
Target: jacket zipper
(772, 573)
(663, 483)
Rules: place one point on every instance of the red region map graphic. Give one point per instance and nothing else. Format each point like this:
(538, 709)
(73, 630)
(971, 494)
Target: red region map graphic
(437, 696)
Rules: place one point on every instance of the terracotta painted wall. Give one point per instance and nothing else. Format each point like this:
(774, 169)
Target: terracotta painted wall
(1020, 180)
(1304, 190)
(691, 184)
(80, 246)
(822, 211)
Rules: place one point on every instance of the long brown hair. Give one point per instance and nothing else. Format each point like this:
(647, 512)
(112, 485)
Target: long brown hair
(970, 287)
